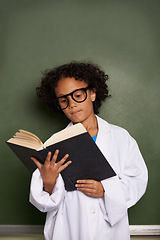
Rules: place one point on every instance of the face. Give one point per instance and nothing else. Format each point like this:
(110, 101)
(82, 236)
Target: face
(81, 112)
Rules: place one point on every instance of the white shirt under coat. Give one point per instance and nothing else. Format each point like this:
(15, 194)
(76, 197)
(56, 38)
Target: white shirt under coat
(76, 216)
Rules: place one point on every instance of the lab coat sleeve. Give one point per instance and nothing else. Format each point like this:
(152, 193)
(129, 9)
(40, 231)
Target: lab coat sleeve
(115, 207)
(124, 190)
(41, 199)
(133, 174)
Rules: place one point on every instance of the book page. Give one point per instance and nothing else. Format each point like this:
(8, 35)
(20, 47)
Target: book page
(26, 139)
(29, 143)
(30, 140)
(28, 135)
(65, 134)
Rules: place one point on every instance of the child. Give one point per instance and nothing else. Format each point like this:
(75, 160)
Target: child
(96, 210)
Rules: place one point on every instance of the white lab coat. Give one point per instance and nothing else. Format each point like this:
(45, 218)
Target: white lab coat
(76, 216)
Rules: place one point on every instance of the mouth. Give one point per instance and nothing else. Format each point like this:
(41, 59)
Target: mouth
(75, 112)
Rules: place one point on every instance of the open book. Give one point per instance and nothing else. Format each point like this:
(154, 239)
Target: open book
(88, 162)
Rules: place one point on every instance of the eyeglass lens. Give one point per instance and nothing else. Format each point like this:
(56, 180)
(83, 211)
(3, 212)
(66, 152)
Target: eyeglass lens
(79, 96)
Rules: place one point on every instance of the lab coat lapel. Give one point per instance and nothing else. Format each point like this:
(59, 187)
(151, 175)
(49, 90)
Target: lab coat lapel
(103, 130)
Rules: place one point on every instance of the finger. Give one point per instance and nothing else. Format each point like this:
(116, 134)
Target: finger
(90, 194)
(48, 158)
(84, 181)
(64, 166)
(54, 158)
(84, 186)
(60, 163)
(90, 184)
(87, 191)
(38, 164)
(93, 190)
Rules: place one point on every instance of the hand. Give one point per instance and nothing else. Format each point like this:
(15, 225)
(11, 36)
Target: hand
(91, 188)
(50, 169)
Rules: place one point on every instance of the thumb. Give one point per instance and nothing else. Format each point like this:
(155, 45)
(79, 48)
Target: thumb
(38, 164)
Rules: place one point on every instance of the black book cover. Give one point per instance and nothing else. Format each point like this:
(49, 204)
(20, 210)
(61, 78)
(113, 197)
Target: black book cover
(88, 162)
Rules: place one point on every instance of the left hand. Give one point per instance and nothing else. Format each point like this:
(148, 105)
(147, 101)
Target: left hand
(91, 188)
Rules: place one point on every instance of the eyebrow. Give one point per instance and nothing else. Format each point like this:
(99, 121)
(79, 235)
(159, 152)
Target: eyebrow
(61, 95)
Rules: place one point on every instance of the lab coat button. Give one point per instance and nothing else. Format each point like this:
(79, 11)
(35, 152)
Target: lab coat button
(93, 211)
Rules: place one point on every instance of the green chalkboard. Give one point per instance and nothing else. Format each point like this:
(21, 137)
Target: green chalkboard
(121, 36)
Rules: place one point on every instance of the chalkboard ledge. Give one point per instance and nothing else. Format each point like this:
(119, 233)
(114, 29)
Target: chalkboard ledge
(144, 230)
(135, 230)
(21, 229)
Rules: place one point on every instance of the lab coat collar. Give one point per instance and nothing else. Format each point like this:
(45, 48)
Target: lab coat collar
(103, 126)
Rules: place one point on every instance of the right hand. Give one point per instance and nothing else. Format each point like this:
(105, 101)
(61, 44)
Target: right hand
(50, 169)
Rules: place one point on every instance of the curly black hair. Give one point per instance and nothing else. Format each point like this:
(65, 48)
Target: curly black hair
(88, 72)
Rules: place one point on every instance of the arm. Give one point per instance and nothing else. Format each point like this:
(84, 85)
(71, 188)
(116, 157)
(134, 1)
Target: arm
(47, 187)
(124, 190)
(133, 174)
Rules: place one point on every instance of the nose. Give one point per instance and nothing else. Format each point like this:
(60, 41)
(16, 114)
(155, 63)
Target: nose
(71, 102)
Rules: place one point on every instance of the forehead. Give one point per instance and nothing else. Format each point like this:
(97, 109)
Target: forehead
(67, 85)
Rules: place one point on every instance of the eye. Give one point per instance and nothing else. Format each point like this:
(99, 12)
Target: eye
(78, 94)
(62, 100)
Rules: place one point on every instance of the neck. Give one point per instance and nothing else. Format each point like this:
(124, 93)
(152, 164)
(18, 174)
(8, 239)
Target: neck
(91, 125)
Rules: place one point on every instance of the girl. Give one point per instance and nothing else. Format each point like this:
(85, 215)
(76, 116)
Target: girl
(96, 210)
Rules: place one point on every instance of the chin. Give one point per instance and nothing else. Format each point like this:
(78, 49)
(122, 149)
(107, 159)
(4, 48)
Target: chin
(76, 121)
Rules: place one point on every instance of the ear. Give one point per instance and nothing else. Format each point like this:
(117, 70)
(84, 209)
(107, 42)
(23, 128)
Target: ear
(93, 95)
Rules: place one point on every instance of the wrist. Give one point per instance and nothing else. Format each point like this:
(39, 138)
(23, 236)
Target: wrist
(48, 187)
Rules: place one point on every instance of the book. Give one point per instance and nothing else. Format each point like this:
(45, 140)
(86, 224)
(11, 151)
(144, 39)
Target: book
(88, 162)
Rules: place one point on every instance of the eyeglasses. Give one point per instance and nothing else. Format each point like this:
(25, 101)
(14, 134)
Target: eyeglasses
(78, 95)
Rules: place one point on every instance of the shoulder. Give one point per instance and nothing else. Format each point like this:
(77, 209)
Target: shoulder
(115, 132)
(119, 130)
(106, 126)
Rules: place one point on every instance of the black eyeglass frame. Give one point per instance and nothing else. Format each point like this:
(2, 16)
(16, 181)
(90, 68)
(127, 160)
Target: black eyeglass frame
(71, 94)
